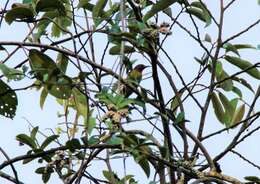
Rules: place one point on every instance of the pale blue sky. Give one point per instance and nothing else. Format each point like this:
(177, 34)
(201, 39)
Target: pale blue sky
(183, 50)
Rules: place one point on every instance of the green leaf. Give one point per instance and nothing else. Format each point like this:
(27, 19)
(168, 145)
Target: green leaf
(80, 103)
(219, 69)
(40, 63)
(73, 144)
(238, 115)
(109, 175)
(91, 124)
(45, 69)
(43, 97)
(218, 109)
(114, 140)
(62, 88)
(21, 12)
(231, 48)
(25, 139)
(8, 101)
(237, 91)
(44, 22)
(227, 84)
(46, 177)
(62, 62)
(244, 83)
(157, 7)
(84, 4)
(27, 1)
(92, 140)
(48, 140)
(244, 46)
(200, 10)
(180, 118)
(40, 170)
(34, 132)
(143, 162)
(168, 11)
(25, 161)
(208, 38)
(10, 73)
(115, 50)
(243, 65)
(229, 109)
(253, 179)
(98, 8)
(50, 5)
(175, 103)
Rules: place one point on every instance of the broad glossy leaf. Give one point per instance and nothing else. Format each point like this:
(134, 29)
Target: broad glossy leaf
(244, 83)
(98, 8)
(48, 140)
(219, 69)
(109, 175)
(115, 50)
(231, 48)
(175, 103)
(227, 85)
(73, 144)
(229, 109)
(24, 13)
(157, 7)
(62, 88)
(203, 14)
(237, 91)
(208, 38)
(62, 62)
(114, 140)
(8, 101)
(34, 132)
(243, 65)
(50, 5)
(11, 73)
(61, 22)
(44, 23)
(25, 139)
(253, 178)
(218, 109)
(43, 97)
(79, 102)
(244, 46)
(239, 114)
(143, 162)
(84, 4)
(46, 177)
(91, 124)
(27, 1)
(40, 63)
(168, 11)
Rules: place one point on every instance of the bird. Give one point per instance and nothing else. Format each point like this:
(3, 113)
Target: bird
(133, 78)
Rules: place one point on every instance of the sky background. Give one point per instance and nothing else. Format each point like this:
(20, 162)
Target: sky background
(183, 50)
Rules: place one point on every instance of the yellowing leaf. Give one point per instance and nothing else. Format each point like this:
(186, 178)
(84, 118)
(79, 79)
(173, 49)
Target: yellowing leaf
(238, 115)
